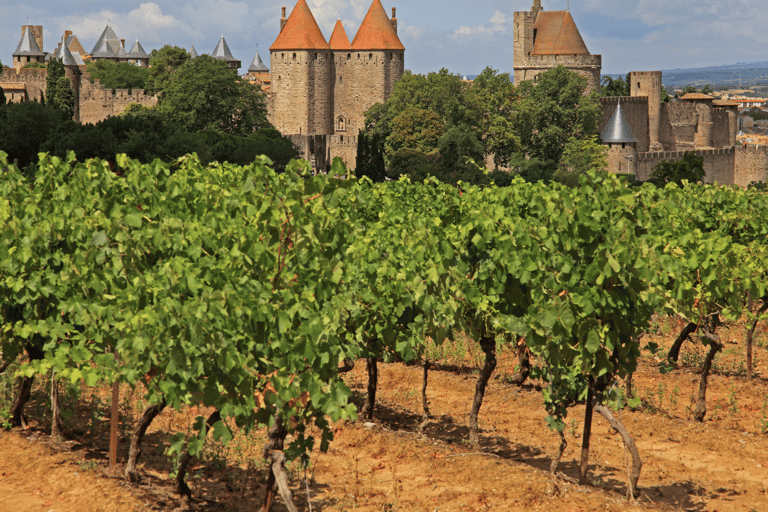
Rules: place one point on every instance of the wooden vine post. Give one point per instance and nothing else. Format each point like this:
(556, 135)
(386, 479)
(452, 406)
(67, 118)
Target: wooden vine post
(115, 418)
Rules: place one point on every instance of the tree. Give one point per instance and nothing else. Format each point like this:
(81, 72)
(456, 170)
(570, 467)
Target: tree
(533, 170)
(579, 157)
(414, 128)
(493, 97)
(554, 108)
(204, 94)
(460, 155)
(58, 92)
(34, 65)
(3, 101)
(611, 87)
(370, 157)
(414, 164)
(690, 168)
(24, 128)
(119, 75)
(162, 65)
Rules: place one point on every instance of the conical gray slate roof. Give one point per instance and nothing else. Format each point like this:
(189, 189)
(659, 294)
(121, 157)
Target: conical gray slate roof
(121, 53)
(618, 131)
(104, 50)
(28, 45)
(257, 66)
(192, 51)
(222, 51)
(137, 52)
(67, 58)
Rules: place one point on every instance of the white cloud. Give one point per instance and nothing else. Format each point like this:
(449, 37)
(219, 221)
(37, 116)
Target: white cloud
(412, 32)
(498, 25)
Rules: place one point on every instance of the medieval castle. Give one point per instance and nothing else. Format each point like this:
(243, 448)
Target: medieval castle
(318, 90)
(640, 130)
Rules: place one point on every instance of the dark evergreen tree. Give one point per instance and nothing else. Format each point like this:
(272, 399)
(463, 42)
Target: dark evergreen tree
(370, 157)
(690, 169)
(59, 91)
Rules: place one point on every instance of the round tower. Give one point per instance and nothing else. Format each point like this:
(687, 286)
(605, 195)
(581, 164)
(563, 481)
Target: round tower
(301, 65)
(648, 83)
(621, 142)
(377, 61)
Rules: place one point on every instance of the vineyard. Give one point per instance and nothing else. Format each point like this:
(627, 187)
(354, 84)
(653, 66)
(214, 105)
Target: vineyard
(282, 305)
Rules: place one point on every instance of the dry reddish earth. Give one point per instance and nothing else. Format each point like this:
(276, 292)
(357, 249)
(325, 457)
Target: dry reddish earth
(721, 464)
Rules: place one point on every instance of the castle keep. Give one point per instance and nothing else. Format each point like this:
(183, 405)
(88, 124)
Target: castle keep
(321, 89)
(640, 130)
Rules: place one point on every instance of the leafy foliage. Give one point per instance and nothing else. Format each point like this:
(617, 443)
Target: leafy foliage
(119, 75)
(25, 126)
(59, 91)
(204, 94)
(162, 64)
(690, 168)
(370, 157)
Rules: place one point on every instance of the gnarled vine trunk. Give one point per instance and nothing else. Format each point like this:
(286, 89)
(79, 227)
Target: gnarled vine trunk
(488, 344)
(425, 415)
(523, 366)
(751, 333)
(701, 401)
(24, 386)
(587, 434)
(56, 428)
(181, 486)
(373, 380)
(149, 414)
(277, 480)
(674, 351)
(633, 468)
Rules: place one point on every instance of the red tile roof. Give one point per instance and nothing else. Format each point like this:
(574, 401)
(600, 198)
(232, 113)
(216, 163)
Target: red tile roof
(696, 96)
(339, 39)
(376, 31)
(556, 34)
(725, 103)
(300, 32)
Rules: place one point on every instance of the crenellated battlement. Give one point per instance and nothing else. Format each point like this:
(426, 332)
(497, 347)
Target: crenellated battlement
(537, 61)
(678, 155)
(625, 100)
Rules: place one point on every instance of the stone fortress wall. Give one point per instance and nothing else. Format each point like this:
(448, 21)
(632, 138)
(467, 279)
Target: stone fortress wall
(97, 103)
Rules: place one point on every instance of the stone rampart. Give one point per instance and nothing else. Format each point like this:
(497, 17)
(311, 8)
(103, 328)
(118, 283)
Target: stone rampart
(677, 129)
(34, 81)
(719, 164)
(721, 133)
(751, 164)
(98, 103)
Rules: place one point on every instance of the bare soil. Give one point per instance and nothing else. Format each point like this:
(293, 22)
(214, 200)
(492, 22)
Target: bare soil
(718, 465)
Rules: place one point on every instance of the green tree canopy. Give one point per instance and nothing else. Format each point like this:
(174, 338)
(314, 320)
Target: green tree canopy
(34, 65)
(457, 147)
(611, 87)
(24, 128)
(690, 168)
(555, 107)
(414, 128)
(58, 92)
(579, 157)
(162, 64)
(204, 94)
(119, 75)
(370, 157)
(494, 100)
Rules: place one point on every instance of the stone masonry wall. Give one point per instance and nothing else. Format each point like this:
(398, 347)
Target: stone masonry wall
(678, 125)
(721, 136)
(635, 111)
(98, 103)
(719, 164)
(289, 110)
(34, 80)
(375, 74)
(751, 164)
(343, 146)
(588, 66)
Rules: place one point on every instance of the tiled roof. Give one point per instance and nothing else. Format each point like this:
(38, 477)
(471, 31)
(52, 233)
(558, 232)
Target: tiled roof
(725, 103)
(16, 86)
(300, 32)
(192, 52)
(339, 39)
(696, 96)
(618, 130)
(257, 65)
(222, 52)
(137, 52)
(376, 31)
(556, 34)
(28, 45)
(102, 50)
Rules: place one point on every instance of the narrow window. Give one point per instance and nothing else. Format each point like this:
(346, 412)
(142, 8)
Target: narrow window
(294, 56)
(341, 79)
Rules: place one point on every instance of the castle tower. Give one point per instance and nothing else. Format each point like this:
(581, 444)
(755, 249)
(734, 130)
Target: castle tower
(621, 142)
(108, 47)
(378, 62)
(545, 40)
(343, 80)
(72, 71)
(28, 49)
(300, 58)
(222, 52)
(138, 56)
(192, 52)
(648, 83)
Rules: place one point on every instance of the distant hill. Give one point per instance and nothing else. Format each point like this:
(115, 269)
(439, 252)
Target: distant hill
(727, 76)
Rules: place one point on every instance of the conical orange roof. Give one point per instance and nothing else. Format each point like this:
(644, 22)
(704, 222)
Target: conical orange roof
(556, 34)
(301, 31)
(339, 39)
(376, 31)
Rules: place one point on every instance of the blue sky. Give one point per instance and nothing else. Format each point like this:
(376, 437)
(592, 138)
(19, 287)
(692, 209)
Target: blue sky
(464, 37)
